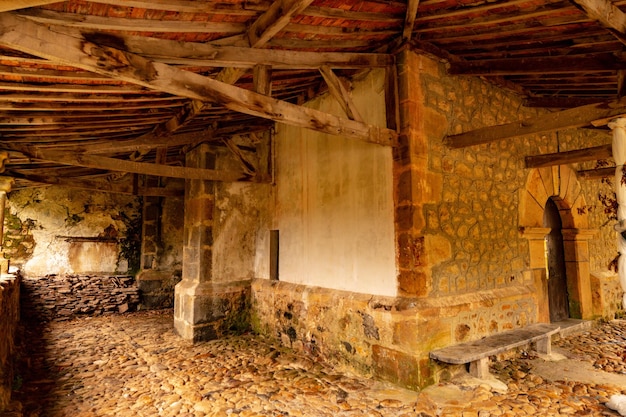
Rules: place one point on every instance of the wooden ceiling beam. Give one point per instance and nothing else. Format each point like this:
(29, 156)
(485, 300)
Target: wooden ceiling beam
(596, 174)
(38, 40)
(113, 164)
(546, 65)
(569, 157)
(566, 119)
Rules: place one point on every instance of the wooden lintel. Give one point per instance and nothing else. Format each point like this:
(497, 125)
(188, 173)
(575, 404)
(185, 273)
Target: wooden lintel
(37, 39)
(596, 174)
(569, 157)
(566, 119)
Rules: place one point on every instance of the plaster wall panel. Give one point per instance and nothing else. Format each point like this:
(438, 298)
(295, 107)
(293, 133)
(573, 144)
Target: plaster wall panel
(334, 205)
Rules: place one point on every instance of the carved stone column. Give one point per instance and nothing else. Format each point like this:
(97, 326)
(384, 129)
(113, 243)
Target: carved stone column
(5, 187)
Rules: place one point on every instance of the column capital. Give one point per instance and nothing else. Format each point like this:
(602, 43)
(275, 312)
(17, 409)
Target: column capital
(534, 233)
(579, 234)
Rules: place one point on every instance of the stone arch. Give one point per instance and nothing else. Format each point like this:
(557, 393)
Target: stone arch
(560, 184)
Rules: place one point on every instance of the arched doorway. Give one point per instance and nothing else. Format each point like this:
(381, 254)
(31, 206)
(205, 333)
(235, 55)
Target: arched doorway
(558, 299)
(559, 186)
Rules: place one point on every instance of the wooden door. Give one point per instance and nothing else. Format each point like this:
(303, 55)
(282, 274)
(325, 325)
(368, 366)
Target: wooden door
(555, 254)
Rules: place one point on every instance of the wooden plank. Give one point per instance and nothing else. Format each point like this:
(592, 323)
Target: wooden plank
(566, 119)
(38, 40)
(101, 162)
(569, 157)
(596, 174)
(494, 344)
(340, 93)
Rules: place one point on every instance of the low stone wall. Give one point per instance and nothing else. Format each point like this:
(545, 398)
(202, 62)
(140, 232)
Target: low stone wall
(9, 318)
(386, 337)
(62, 297)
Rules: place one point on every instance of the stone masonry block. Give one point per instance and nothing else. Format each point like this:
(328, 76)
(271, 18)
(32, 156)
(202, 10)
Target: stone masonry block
(396, 367)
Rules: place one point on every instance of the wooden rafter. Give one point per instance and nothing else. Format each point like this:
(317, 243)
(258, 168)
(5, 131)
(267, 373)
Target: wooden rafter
(340, 93)
(113, 164)
(569, 157)
(566, 119)
(275, 18)
(102, 184)
(38, 40)
(607, 13)
(409, 20)
(551, 65)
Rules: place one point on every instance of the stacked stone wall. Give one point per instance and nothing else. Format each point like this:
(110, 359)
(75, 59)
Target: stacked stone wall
(478, 209)
(65, 297)
(9, 319)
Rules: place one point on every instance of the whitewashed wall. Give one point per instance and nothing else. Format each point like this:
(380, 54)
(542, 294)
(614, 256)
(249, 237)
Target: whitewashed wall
(333, 202)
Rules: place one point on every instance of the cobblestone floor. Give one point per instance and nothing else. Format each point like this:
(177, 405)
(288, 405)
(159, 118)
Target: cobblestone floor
(134, 365)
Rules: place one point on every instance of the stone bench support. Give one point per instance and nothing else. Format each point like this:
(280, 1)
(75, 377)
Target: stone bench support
(477, 352)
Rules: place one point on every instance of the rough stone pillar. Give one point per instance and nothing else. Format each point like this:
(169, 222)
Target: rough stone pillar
(203, 308)
(415, 184)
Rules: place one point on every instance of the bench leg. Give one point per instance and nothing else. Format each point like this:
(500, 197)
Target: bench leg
(480, 368)
(544, 345)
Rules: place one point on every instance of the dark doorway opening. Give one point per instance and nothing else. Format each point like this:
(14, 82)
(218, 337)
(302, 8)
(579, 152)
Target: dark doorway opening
(555, 258)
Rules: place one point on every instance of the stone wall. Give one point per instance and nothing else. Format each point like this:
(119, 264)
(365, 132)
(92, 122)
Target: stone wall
(57, 230)
(9, 318)
(466, 264)
(386, 337)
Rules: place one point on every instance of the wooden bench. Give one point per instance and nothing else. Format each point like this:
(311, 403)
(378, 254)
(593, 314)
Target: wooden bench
(477, 353)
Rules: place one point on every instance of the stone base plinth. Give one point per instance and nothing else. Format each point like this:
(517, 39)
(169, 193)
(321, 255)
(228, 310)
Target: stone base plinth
(157, 288)
(206, 311)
